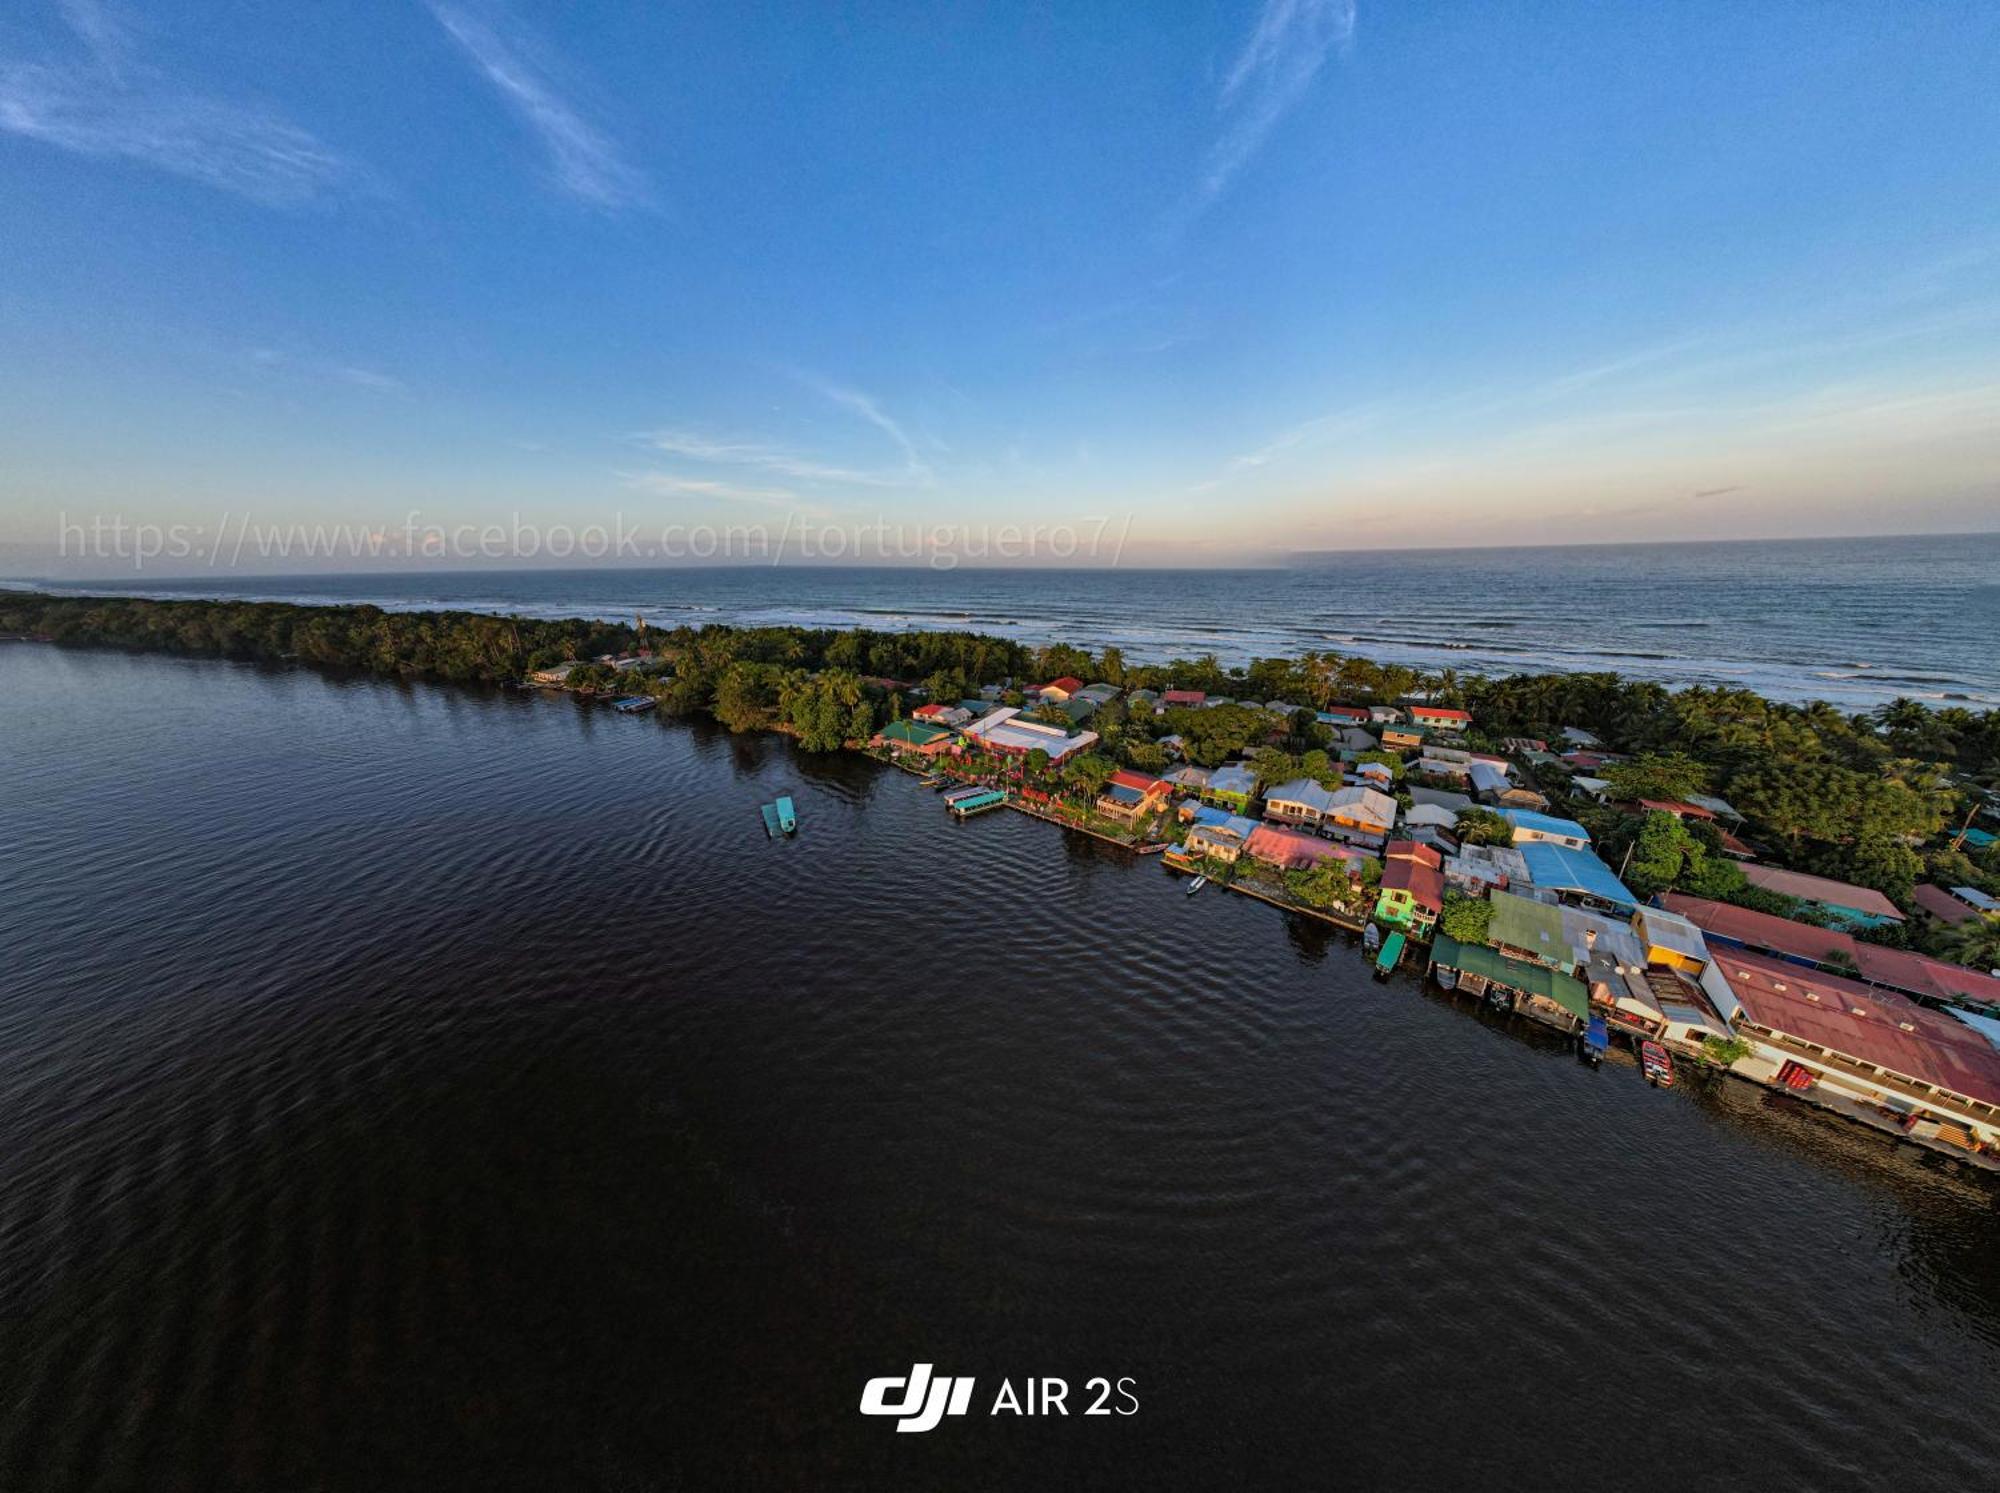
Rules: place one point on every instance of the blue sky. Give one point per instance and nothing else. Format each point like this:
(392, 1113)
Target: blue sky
(1306, 274)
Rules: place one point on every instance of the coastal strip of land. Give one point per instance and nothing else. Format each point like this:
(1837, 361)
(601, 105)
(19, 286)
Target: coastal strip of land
(1784, 893)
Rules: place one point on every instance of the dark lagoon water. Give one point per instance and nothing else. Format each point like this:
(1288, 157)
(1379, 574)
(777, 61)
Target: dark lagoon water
(412, 1088)
(1854, 621)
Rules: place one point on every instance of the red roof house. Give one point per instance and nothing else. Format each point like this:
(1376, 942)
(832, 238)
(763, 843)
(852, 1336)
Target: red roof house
(1059, 689)
(1440, 715)
(1183, 697)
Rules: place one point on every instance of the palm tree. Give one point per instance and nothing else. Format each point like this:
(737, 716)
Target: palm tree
(1975, 944)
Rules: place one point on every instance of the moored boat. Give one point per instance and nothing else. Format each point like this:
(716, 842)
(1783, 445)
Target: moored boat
(1196, 885)
(1658, 1066)
(1446, 977)
(770, 813)
(1371, 938)
(1391, 955)
(788, 818)
(1593, 1042)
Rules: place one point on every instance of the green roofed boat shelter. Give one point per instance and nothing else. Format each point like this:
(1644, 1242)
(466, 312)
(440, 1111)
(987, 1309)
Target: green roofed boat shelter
(1523, 928)
(1545, 994)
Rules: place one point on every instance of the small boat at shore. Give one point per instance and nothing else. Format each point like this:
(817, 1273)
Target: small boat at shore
(1196, 885)
(1657, 1065)
(1446, 977)
(1593, 1042)
(1371, 938)
(1391, 955)
(634, 704)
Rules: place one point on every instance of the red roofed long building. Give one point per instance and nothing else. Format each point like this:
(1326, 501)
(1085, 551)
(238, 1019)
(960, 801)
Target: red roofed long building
(1865, 1051)
(1930, 981)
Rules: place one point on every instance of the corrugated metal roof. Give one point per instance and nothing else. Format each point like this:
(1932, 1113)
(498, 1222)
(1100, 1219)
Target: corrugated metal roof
(1545, 824)
(1475, 959)
(1823, 890)
(1522, 923)
(1862, 1021)
(1564, 869)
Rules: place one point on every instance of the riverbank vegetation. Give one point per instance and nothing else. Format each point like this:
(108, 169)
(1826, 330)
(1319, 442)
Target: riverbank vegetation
(1868, 798)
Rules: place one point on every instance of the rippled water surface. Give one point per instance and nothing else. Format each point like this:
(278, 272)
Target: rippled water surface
(415, 1088)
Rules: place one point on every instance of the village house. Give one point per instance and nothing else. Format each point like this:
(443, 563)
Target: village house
(1514, 796)
(1442, 798)
(1360, 815)
(1057, 691)
(1376, 775)
(1418, 817)
(1347, 739)
(1480, 869)
(1218, 835)
(1384, 715)
(1531, 827)
(1011, 733)
(1231, 785)
(1576, 736)
(941, 715)
(557, 673)
(1301, 801)
(1928, 981)
(1412, 892)
(1849, 905)
(1670, 940)
(915, 736)
(1294, 850)
(1097, 694)
(1941, 906)
(1522, 928)
(1189, 699)
(1577, 877)
(1132, 795)
(1188, 778)
(1143, 699)
(1440, 717)
(1865, 1052)
(1403, 738)
(1345, 715)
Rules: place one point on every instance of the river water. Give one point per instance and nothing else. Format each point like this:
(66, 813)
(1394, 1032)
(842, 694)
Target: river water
(403, 1087)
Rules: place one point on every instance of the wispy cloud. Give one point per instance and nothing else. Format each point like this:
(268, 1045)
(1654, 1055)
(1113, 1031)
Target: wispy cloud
(786, 462)
(110, 107)
(869, 409)
(374, 380)
(1286, 49)
(674, 485)
(764, 458)
(582, 160)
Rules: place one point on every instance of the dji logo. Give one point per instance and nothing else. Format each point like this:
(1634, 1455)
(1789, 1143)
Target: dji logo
(926, 1401)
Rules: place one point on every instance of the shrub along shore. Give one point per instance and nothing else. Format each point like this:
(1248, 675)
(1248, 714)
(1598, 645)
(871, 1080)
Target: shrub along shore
(1874, 799)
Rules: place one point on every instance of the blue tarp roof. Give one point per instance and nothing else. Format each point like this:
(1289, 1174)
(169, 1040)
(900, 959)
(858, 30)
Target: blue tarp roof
(1557, 868)
(1546, 824)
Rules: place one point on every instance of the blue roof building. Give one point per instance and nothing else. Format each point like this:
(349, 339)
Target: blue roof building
(1530, 826)
(1569, 872)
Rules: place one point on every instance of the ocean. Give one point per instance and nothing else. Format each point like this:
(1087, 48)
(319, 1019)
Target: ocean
(409, 1087)
(1856, 622)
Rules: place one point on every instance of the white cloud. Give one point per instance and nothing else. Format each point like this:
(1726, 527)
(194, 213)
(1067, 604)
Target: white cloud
(111, 108)
(868, 409)
(1278, 63)
(673, 485)
(583, 161)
